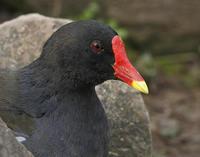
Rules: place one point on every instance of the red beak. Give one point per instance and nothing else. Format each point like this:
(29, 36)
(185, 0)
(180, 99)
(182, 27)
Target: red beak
(123, 68)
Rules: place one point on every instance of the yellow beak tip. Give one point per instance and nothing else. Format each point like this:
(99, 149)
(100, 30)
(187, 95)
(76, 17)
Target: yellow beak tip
(141, 86)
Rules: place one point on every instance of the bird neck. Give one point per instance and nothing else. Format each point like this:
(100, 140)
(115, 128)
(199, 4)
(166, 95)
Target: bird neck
(67, 108)
(40, 83)
(79, 122)
(53, 77)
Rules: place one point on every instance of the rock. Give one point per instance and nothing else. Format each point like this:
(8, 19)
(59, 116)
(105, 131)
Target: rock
(128, 117)
(21, 41)
(9, 147)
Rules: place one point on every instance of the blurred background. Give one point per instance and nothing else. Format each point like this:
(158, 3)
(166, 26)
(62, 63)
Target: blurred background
(163, 42)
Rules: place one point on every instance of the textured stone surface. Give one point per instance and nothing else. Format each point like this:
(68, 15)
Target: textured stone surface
(9, 147)
(21, 42)
(130, 136)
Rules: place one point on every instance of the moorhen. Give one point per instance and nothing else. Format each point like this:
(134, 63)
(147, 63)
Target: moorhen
(51, 104)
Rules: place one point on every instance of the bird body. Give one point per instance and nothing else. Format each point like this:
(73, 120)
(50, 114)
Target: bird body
(83, 128)
(52, 102)
(68, 123)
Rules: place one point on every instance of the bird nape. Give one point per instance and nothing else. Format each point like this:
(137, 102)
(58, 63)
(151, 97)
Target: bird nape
(56, 93)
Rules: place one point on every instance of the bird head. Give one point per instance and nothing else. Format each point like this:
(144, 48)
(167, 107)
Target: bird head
(91, 52)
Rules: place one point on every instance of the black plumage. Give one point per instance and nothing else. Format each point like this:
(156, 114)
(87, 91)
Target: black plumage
(52, 102)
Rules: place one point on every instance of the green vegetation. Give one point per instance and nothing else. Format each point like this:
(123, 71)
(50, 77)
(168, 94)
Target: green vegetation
(92, 12)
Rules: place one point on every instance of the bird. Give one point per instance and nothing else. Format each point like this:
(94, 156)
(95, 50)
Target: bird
(51, 104)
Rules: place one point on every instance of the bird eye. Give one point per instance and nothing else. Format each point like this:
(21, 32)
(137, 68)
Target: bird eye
(96, 46)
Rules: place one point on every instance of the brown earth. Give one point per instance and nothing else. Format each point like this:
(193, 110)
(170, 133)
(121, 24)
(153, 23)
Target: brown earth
(175, 116)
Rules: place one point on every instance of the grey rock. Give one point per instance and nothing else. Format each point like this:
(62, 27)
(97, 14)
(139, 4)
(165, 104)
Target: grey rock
(128, 117)
(21, 41)
(9, 147)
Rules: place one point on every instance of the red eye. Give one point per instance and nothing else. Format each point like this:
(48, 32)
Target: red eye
(96, 46)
